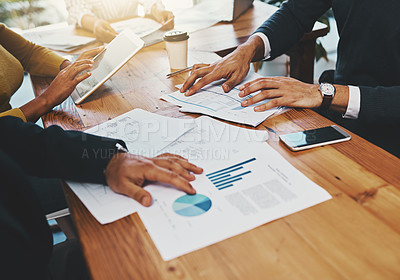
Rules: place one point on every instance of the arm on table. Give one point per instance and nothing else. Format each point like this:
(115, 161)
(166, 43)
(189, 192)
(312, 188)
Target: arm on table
(82, 157)
(283, 30)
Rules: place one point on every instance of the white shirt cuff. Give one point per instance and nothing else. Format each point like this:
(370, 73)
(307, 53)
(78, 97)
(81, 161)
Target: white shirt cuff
(267, 45)
(353, 108)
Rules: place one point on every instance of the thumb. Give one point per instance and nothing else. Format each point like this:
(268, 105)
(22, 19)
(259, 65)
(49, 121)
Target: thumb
(228, 85)
(136, 192)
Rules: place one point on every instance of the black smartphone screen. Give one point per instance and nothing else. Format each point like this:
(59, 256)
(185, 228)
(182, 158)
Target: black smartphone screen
(312, 137)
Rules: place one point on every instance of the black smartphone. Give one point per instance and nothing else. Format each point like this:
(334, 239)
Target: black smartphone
(314, 138)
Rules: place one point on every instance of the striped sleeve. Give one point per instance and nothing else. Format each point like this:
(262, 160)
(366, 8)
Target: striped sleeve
(148, 4)
(77, 9)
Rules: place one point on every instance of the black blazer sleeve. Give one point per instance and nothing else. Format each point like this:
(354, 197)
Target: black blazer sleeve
(55, 153)
(380, 105)
(288, 25)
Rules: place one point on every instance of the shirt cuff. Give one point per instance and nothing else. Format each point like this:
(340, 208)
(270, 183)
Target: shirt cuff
(267, 45)
(353, 108)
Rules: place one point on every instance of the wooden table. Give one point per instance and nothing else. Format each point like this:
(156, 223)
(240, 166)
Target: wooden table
(355, 235)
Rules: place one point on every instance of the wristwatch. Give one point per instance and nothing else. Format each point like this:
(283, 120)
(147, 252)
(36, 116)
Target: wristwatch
(328, 92)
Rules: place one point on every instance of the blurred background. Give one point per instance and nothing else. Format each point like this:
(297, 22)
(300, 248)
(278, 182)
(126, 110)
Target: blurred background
(27, 14)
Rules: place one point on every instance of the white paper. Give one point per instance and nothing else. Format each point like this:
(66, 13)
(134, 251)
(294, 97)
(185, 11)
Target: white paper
(149, 134)
(203, 15)
(213, 101)
(57, 40)
(139, 25)
(267, 187)
(104, 204)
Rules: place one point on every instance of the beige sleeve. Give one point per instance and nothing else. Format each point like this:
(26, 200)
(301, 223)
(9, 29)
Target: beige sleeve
(35, 59)
(15, 113)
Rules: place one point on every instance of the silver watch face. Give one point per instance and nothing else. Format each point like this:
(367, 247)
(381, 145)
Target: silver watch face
(327, 89)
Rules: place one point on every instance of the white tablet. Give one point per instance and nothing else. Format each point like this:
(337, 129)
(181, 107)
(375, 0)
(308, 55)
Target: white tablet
(109, 61)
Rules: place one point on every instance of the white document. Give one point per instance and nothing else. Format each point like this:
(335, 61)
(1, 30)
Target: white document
(196, 18)
(149, 134)
(104, 204)
(248, 189)
(203, 15)
(213, 101)
(57, 40)
(139, 25)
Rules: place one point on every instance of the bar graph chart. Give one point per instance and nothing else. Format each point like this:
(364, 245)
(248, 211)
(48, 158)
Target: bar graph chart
(226, 177)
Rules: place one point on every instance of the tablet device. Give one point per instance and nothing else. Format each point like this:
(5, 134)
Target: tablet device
(110, 60)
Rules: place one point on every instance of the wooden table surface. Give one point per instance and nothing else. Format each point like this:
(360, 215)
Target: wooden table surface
(355, 235)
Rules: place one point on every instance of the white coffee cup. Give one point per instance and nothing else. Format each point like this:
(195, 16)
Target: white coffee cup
(176, 43)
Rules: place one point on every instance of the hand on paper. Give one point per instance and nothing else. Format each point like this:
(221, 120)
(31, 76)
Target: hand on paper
(233, 67)
(103, 31)
(166, 18)
(126, 174)
(282, 91)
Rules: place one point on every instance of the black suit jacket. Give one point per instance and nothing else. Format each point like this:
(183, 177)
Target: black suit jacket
(25, 238)
(368, 57)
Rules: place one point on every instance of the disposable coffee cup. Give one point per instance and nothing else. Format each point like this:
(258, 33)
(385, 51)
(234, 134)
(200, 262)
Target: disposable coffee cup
(176, 43)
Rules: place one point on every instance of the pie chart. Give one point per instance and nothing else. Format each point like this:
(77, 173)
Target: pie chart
(192, 205)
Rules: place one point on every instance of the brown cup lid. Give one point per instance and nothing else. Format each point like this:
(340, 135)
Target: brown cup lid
(175, 36)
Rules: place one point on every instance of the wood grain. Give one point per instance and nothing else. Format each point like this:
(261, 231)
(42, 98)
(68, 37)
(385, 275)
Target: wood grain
(356, 235)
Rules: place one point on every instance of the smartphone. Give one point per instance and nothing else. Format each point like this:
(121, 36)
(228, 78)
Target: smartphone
(314, 138)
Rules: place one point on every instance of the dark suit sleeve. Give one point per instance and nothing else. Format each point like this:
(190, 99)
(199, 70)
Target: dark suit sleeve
(288, 25)
(380, 105)
(55, 153)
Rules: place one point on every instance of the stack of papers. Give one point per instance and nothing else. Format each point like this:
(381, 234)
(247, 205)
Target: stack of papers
(149, 135)
(213, 101)
(203, 15)
(57, 40)
(245, 182)
(139, 25)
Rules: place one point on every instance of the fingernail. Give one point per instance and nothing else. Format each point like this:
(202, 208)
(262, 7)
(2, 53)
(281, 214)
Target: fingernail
(145, 200)
(241, 94)
(188, 93)
(244, 103)
(257, 109)
(241, 87)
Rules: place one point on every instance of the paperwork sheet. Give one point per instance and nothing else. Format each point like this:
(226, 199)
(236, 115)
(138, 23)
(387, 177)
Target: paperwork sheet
(139, 25)
(203, 15)
(246, 190)
(150, 134)
(57, 40)
(213, 101)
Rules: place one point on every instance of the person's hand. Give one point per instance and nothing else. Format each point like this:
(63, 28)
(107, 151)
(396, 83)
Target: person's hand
(282, 91)
(166, 18)
(90, 54)
(234, 67)
(126, 174)
(103, 31)
(66, 81)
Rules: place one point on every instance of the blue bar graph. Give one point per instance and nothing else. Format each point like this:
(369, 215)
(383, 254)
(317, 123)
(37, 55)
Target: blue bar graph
(224, 178)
